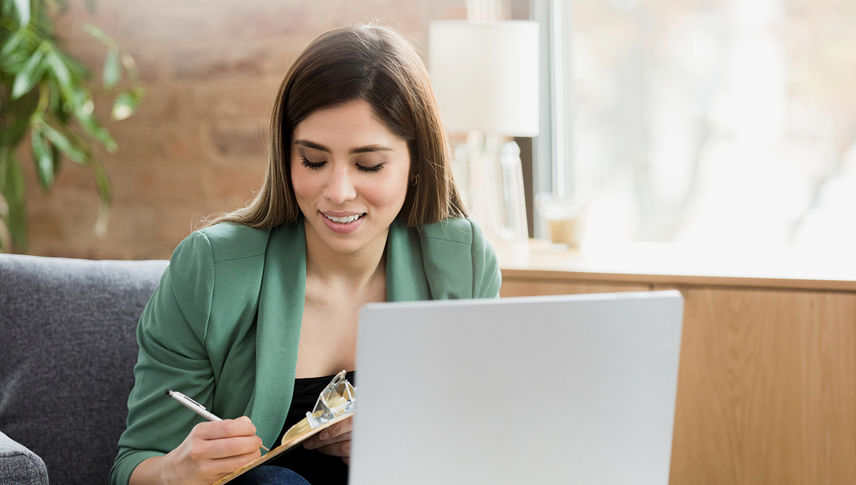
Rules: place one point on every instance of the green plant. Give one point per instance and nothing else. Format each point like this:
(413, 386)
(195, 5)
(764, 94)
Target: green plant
(45, 99)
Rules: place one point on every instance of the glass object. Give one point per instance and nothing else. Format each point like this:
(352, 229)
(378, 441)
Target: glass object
(561, 218)
(490, 178)
(513, 227)
(337, 399)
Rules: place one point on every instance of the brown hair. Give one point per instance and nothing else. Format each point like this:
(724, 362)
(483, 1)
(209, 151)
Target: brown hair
(376, 65)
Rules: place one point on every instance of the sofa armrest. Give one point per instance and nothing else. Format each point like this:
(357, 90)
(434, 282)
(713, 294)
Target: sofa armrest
(20, 465)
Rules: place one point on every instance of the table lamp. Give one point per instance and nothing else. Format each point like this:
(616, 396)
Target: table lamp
(485, 77)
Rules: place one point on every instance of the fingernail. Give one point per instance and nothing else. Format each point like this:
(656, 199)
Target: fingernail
(325, 435)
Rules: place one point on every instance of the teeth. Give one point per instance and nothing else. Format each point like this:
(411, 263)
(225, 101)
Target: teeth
(344, 220)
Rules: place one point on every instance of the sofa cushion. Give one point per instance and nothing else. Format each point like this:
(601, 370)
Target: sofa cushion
(19, 465)
(67, 329)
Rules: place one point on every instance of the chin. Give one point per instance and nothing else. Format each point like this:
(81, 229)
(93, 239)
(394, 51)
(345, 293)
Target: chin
(344, 248)
(344, 245)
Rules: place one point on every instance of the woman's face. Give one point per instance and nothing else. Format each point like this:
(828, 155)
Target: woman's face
(350, 176)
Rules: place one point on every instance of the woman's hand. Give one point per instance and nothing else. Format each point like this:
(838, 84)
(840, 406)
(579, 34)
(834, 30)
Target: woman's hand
(211, 451)
(335, 440)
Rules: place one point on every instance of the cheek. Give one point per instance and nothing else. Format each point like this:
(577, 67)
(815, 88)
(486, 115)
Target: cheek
(302, 185)
(389, 192)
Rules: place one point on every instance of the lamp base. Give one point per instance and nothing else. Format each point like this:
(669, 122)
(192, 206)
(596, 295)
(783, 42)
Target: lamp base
(492, 183)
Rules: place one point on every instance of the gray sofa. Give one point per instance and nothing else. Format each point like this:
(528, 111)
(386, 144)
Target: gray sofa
(67, 351)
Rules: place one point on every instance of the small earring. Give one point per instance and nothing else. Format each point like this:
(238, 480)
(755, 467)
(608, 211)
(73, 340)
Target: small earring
(414, 179)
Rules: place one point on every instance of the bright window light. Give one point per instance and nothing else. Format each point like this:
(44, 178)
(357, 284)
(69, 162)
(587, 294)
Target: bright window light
(716, 122)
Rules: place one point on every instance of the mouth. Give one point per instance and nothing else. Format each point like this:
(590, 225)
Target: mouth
(345, 219)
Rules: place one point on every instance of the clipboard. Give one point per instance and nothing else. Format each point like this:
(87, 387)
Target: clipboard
(335, 404)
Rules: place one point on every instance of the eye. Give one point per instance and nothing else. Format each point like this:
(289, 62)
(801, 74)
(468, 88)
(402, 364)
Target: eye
(310, 164)
(370, 168)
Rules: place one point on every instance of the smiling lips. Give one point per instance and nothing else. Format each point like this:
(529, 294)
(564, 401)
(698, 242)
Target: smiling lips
(342, 222)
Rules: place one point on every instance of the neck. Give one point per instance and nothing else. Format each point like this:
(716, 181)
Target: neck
(356, 268)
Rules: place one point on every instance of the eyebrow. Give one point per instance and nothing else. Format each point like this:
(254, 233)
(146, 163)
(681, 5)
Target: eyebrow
(362, 149)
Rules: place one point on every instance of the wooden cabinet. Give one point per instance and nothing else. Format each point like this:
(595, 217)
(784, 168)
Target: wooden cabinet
(767, 380)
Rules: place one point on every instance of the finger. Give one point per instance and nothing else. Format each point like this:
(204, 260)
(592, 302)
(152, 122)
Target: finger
(318, 442)
(225, 428)
(345, 426)
(230, 447)
(342, 428)
(223, 466)
(321, 440)
(342, 448)
(337, 429)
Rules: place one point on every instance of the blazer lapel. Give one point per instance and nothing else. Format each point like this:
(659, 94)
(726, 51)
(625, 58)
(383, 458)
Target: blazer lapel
(280, 315)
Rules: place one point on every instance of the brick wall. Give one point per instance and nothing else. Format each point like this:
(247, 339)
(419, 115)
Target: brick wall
(197, 146)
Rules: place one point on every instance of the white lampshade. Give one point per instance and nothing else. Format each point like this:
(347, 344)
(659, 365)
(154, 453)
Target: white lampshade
(485, 75)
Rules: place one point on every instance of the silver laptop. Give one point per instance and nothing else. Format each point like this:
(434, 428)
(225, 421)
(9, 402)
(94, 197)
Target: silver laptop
(560, 389)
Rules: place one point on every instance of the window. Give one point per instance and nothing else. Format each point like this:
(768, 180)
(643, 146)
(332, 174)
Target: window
(707, 122)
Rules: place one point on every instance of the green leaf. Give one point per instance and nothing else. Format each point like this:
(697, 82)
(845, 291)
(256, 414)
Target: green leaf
(58, 5)
(99, 34)
(23, 12)
(5, 151)
(77, 69)
(104, 189)
(126, 104)
(81, 102)
(41, 19)
(30, 75)
(55, 104)
(56, 155)
(94, 128)
(60, 71)
(43, 159)
(112, 68)
(4, 206)
(13, 193)
(11, 46)
(68, 142)
(19, 111)
(16, 133)
(106, 197)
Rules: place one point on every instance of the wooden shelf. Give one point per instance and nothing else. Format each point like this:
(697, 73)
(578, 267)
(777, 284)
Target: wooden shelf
(677, 265)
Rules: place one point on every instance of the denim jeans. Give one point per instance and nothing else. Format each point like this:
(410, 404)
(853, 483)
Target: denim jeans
(270, 475)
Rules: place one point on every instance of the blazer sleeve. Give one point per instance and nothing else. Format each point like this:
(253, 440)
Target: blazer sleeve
(171, 337)
(458, 260)
(487, 278)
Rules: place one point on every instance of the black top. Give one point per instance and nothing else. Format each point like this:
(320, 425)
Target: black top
(315, 467)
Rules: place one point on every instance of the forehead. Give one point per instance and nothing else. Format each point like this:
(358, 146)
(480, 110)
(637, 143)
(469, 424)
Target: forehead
(346, 125)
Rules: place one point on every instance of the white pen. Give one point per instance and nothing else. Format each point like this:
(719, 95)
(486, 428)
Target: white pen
(192, 405)
(196, 407)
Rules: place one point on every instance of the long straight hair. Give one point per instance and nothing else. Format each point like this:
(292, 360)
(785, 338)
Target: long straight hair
(376, 65)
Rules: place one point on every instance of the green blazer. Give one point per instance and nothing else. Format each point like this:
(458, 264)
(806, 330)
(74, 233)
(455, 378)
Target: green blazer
(223, 325)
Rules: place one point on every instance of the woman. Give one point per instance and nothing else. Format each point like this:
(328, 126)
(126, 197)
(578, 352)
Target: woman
(257, 312)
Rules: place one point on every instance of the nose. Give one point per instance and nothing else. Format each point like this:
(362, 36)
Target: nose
(339, 188)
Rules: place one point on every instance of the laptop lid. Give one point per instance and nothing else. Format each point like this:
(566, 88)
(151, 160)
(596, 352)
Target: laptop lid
(572, 389)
